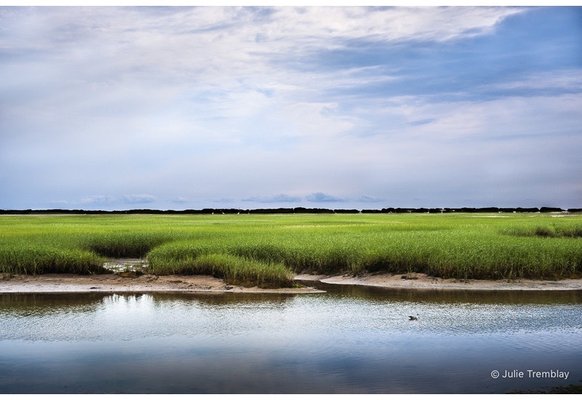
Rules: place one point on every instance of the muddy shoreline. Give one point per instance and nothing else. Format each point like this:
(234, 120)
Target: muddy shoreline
(417, 281)
(116, 283)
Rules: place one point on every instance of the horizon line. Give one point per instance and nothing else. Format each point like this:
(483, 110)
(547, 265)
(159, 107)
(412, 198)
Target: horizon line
(295, 210)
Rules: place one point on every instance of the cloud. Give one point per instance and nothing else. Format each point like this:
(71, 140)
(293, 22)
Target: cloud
(97, 200)
(108, 200)
(138, 199)
(320, 197)
(278, 198)
(140, 76)
(569, 80)
(214, 47)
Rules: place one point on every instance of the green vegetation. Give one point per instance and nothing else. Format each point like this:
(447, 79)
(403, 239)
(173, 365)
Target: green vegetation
(235, 270)
(572, 231)
(266, 250)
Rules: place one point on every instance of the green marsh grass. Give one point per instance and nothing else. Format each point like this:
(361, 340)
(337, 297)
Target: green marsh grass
(235, 270)
(42, 259)
(124, 244)
(548, 230)
(266, 250)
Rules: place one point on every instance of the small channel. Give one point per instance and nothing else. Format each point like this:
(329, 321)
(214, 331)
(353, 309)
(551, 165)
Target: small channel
(348, 340)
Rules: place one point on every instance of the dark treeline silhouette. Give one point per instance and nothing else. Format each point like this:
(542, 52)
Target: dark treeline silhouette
(301, 210)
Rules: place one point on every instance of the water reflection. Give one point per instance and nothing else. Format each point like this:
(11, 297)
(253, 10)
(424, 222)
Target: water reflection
(35, 303)
(349, 340)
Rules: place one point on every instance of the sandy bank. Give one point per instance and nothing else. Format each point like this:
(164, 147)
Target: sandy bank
(112, 283)
(425, 282)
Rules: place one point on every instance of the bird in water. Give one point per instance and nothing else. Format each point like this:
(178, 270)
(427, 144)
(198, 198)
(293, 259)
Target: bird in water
(413, 318)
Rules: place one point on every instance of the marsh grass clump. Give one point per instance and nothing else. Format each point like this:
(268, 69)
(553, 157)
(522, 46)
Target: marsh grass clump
(178, 257)
(574, 231)
(233, 269)
(242, 271)
(34, 260)
(546, 231)
(267, 252)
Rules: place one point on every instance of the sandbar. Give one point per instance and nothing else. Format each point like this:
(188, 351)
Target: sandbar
(117, 283)
(426, 282)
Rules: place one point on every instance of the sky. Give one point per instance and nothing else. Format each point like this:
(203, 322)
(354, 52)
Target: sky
(257, 107)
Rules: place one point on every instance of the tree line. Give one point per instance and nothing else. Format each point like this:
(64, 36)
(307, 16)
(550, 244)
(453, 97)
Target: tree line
(302, 210)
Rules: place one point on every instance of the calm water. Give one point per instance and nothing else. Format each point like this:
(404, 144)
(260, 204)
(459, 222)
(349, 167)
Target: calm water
(345, 341)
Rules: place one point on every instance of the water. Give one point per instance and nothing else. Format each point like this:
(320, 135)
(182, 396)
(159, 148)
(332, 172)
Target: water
(349, 340)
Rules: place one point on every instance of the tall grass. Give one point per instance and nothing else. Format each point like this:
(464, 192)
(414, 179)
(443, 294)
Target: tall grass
(265, 250)
(549, 231)
(41, 259)
(235, 270)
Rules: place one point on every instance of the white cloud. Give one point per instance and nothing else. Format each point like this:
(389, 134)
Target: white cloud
(278, 198)
(138, 198)
(424, 118)
(319, 197)
(175, 70)
(568, 79)
(97, 200)
(214, 47)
